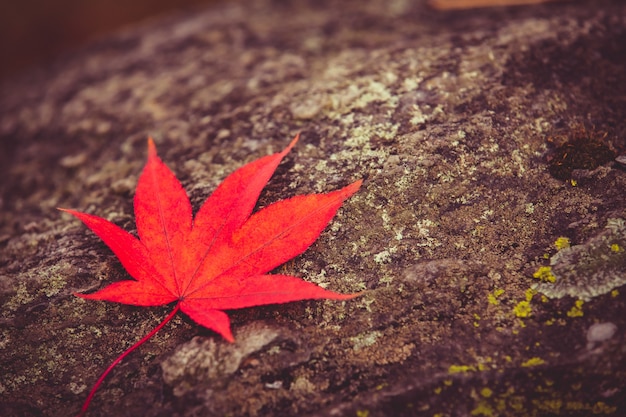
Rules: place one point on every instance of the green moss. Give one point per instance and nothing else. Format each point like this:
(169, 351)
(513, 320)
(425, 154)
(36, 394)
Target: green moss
(365, 339)
(22, 296)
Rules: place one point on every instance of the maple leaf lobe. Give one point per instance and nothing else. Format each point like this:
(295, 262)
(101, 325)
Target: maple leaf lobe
(218, 260)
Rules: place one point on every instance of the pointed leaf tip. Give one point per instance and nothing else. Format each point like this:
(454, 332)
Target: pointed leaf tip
(68, 211)
(292, 143)
(152, 152)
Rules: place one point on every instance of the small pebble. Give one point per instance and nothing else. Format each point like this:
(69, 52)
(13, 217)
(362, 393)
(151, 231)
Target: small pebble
(274, 385)
(73, 161)
(600, 332)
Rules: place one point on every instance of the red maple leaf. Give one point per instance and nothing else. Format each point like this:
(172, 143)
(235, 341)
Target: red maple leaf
(218, 260)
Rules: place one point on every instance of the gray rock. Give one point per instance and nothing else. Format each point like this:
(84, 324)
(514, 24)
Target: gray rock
(594, 268)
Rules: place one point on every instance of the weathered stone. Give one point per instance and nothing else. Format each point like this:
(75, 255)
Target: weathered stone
(450, 118)
(594, 268)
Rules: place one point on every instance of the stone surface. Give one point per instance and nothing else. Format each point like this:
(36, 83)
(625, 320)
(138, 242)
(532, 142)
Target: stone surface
(593, 268)
(451, 119)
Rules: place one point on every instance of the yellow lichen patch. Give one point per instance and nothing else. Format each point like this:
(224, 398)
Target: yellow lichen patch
(534, 361)
(486, 392)
(590, 269)
(482, 409)
(544, 273)
(522, 309)
(602, 407)
(516, 403)
(615, 248)
(483, 365)
(562, 243)
(551, 406)
(493, 297)
(362, 413)
(455, 369)
(614, 293)
(598, 408)
(577, 309)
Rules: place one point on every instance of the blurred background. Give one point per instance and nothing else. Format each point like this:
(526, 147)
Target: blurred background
(33, 32)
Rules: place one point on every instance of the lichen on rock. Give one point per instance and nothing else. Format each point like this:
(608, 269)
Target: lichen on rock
(593, 268)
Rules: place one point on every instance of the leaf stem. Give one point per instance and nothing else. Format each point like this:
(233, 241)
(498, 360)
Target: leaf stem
(83, 410)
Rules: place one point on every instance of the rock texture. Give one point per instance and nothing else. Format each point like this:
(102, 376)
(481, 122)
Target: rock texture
(451, 118)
